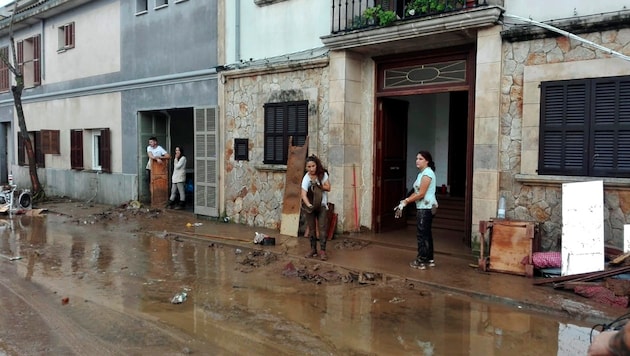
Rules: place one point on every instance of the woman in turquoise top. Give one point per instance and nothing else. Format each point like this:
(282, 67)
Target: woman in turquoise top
(424, 197)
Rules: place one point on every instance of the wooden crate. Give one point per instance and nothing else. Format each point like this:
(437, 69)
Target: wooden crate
(510, 242)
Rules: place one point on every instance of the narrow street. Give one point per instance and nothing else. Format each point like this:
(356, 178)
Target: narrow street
(80, 280)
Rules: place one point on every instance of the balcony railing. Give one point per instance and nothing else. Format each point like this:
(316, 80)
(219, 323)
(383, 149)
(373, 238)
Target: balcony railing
(350, 15)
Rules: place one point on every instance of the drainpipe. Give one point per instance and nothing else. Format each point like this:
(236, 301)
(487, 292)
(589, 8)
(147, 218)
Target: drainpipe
(237, 31)
(570, 35)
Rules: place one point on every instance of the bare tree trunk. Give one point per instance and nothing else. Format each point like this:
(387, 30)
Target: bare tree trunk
(38, 192)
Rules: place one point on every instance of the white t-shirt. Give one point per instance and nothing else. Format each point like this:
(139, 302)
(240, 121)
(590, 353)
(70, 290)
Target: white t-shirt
(158, 151)
(306, 184)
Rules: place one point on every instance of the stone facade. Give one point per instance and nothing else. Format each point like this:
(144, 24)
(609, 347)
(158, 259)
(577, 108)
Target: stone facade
(526, 64)
(254, 191)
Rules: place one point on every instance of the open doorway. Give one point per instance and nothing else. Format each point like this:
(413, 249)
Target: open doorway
(172, 127)
(436, 122)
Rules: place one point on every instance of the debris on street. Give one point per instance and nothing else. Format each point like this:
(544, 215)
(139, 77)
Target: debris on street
(180, 297)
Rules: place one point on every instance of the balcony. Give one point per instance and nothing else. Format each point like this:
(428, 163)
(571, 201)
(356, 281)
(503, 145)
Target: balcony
(371, 25)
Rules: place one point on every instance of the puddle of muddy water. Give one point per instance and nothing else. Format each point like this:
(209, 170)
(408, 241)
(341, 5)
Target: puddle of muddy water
(254, 304)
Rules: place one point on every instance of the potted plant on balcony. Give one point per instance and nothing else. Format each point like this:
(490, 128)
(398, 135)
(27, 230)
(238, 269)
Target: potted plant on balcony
(377, 16)
(423, 7)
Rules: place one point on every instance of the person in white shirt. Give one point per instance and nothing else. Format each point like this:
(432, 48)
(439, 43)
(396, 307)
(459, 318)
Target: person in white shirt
(178, 180)
(155, 153)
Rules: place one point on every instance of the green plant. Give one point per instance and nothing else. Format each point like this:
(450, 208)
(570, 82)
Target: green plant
(376, 15)
(422, 7)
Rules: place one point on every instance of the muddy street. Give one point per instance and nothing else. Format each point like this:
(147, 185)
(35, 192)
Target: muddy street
(121, 282)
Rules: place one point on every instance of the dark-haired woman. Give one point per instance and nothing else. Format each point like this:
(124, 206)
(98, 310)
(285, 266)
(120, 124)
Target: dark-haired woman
(315, 188)
(178, 180)
(424, 197)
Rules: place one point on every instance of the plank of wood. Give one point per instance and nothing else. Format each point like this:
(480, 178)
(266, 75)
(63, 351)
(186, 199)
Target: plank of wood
(291, 204)
(589, 276)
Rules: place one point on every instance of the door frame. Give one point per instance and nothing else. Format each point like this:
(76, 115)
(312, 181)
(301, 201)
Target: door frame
(467, 53)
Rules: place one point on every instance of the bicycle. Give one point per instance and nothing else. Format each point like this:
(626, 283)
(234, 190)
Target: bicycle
(13, 200)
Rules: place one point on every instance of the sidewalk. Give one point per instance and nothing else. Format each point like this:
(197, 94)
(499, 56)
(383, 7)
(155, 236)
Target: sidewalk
(391, 256)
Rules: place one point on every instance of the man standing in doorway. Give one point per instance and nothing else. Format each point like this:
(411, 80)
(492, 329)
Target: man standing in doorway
(155, 152)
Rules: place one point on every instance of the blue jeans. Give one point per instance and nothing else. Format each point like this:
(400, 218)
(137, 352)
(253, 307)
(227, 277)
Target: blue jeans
(424, 236)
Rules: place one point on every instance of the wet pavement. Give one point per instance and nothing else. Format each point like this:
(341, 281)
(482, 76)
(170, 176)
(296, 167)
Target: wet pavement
(120, 268)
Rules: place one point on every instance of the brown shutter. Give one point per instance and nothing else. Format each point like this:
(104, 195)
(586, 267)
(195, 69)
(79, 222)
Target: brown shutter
(76, 149)
(50, 142)
(37, 71)
(20, 57)
(105, 152)
(21, 150)
(40, 158)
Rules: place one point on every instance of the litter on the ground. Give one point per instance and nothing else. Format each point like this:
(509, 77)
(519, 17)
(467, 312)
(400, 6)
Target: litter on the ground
(180, 297)
(15, 258)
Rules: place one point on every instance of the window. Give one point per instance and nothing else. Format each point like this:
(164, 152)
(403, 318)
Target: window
(160, 3)
(283, 120)
(28, 57)
(4, 70)
(142, 6)
(241, 149)
(50, 142)
(35, 137)
(99, 153)
(585, 127)
(66, 37)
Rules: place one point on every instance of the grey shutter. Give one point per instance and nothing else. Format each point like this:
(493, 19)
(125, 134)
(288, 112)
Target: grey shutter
(206, 163)
(564, 128)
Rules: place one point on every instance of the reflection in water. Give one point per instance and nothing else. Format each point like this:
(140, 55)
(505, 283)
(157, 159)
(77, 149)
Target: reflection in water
(266, 313)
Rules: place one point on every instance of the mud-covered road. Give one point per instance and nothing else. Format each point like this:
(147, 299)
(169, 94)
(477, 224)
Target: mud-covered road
(81, 279)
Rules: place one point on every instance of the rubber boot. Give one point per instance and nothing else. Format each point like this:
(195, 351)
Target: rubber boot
(180, 206)
(169, 205)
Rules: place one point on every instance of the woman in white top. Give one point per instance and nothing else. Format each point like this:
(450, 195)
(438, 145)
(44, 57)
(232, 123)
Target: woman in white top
(424, 197)
(178, 180)
(315, 188)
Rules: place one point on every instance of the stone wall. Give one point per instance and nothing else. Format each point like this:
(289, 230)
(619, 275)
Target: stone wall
(255, 191)
(526, 63)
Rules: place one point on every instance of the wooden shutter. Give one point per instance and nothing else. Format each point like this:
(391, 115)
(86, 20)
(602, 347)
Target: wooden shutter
(40, 158)
(564, 128)
(76, 149)
(21, 150)
(206, 154)
(105, 152)
(274, 134)
(50, 142)
(4, 70)
(37, 70)
(610, 134)
(20, 57)
(297, 122)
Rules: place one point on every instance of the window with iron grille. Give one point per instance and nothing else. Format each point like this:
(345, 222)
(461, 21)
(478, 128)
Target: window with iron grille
(28, 58)
(66, 37)
(585, 127)
(284, 120)
(4, 70)
(241, 149)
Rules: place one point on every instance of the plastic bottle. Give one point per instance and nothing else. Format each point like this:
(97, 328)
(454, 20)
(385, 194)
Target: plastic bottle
(10, 179)
(501, 210)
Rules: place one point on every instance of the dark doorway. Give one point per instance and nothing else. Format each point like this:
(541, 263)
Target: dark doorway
(457, 143)
(390, 164)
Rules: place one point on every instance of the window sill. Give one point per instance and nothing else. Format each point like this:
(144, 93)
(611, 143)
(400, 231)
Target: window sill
(160, 7)
(142, 12)
(271, 167)
(539, 180)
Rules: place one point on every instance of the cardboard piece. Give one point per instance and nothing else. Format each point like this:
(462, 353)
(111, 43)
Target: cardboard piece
(291, 204)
